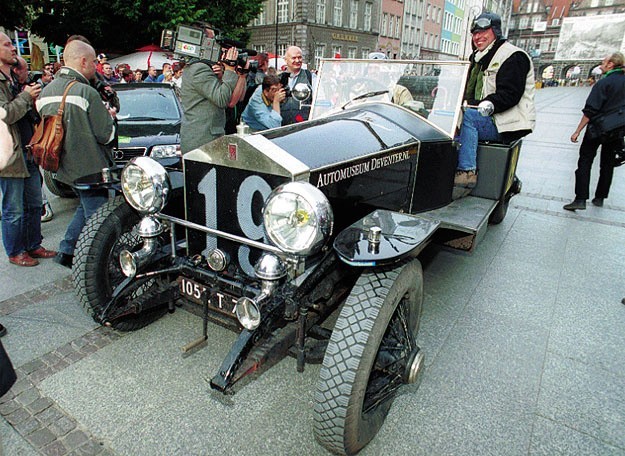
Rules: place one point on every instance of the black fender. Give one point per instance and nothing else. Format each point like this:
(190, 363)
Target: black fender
(401, 235)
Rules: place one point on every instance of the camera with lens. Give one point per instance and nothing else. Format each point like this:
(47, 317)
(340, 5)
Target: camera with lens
(101, 87)
(106, 93)
(203, 42)
(284, 80)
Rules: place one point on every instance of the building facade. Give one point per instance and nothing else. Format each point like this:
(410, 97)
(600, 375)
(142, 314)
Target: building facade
(567, 39)
(391, 25)
(321, 28)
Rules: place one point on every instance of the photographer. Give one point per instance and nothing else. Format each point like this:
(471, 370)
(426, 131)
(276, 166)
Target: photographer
(263, 109)
(207, 90)
(89, 133)
(20, 181)
(292, 111)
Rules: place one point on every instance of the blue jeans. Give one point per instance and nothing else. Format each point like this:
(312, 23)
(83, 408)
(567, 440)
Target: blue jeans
(21, 211)
(90, 201)
(475, 127)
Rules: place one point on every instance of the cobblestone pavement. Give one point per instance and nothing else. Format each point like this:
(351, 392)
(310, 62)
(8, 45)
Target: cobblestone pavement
(41, 422)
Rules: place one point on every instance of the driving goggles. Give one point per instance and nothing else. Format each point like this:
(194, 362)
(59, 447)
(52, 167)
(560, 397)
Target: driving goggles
(483, 23)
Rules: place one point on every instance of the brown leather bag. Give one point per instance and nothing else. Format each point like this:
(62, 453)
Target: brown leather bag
(46, 145)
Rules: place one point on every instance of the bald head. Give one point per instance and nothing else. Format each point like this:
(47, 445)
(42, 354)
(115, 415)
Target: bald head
(20, 70)
(293, 59)
(80, 56)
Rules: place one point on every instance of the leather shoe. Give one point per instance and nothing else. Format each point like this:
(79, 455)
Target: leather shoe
(597, 202)
(23, 259)
(575, 205)
(42, 252)
(3, 330)
(64, 259)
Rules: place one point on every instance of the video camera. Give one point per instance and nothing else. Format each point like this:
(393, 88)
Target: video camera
(204, 42)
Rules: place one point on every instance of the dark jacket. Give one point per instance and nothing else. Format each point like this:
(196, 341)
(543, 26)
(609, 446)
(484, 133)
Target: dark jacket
(89, 128)
(16, 108)
(606, 95)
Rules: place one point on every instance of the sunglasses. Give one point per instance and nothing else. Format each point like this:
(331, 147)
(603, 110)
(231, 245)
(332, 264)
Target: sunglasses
(483, 23)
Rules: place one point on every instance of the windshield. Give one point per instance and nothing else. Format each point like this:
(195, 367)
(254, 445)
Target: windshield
(432, 89)
(147, 104)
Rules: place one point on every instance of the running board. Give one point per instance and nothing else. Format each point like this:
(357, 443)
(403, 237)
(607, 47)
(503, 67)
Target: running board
(463, 222)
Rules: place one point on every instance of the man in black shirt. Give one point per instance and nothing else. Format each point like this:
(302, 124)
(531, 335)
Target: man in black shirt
(606, 95)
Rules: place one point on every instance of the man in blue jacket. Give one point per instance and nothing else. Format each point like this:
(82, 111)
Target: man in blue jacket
(263, 110)
(606, 95)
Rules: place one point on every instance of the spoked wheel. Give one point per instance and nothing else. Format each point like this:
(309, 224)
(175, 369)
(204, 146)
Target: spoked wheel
(372, 352)
(97, 272)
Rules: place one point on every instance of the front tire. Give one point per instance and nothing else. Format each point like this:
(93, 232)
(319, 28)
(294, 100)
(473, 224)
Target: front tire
(96, 270)
(371, 349)
(56, 187)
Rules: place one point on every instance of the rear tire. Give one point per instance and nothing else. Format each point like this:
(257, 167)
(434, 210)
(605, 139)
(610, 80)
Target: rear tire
(96, 270)
(367, 356)
(56, 187)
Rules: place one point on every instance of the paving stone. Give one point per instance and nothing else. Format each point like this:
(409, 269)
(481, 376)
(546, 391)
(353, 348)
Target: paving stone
(39, 405)
(9, 407)
(50, 415)
(28, 427)
(22, 384)
(33, 366)
(40, 375)
(41, 438)
(28, 397)
(18, 416)
(51, 358)
(56, 448)
(75, 439)
(91, 448)
(62, 426)
(75, 356)
(88, 349)
(65, 350)
(62, 364)
(79, 343)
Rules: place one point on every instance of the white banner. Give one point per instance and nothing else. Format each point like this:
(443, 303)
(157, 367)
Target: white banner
(591, 37)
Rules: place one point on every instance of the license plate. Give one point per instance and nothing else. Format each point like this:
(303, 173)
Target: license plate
(219, 301)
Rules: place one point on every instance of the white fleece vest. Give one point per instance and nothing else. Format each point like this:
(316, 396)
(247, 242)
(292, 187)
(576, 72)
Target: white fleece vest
(523, 115)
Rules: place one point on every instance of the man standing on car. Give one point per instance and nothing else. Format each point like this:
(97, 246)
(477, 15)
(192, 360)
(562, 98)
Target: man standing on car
(501, 83)
(20, 181)
(606, 95)
(89, 132)
(207, 90)
(295, 74)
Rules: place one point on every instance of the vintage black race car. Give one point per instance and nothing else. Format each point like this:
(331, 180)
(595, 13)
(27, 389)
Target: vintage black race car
(305, 239)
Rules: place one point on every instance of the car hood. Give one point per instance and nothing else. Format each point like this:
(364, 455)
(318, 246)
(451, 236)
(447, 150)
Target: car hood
(148, 134)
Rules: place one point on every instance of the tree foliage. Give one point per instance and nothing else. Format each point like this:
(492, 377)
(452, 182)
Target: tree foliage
(123, 25)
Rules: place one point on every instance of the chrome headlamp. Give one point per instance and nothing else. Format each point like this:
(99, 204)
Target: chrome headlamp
(146, 185)
(298, 218)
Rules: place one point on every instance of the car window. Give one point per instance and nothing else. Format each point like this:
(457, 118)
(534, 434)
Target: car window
(148, 105)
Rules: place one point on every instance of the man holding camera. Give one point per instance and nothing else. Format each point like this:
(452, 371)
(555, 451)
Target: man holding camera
(207, 91)
(90, 131)
(20, 181)
(263, 110)
(292, 111)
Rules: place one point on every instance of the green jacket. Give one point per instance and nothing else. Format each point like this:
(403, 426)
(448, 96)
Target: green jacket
(204, 100)
(16, 108)
(89, 127)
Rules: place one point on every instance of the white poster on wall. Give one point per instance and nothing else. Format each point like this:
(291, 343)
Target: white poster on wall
(591, 37)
